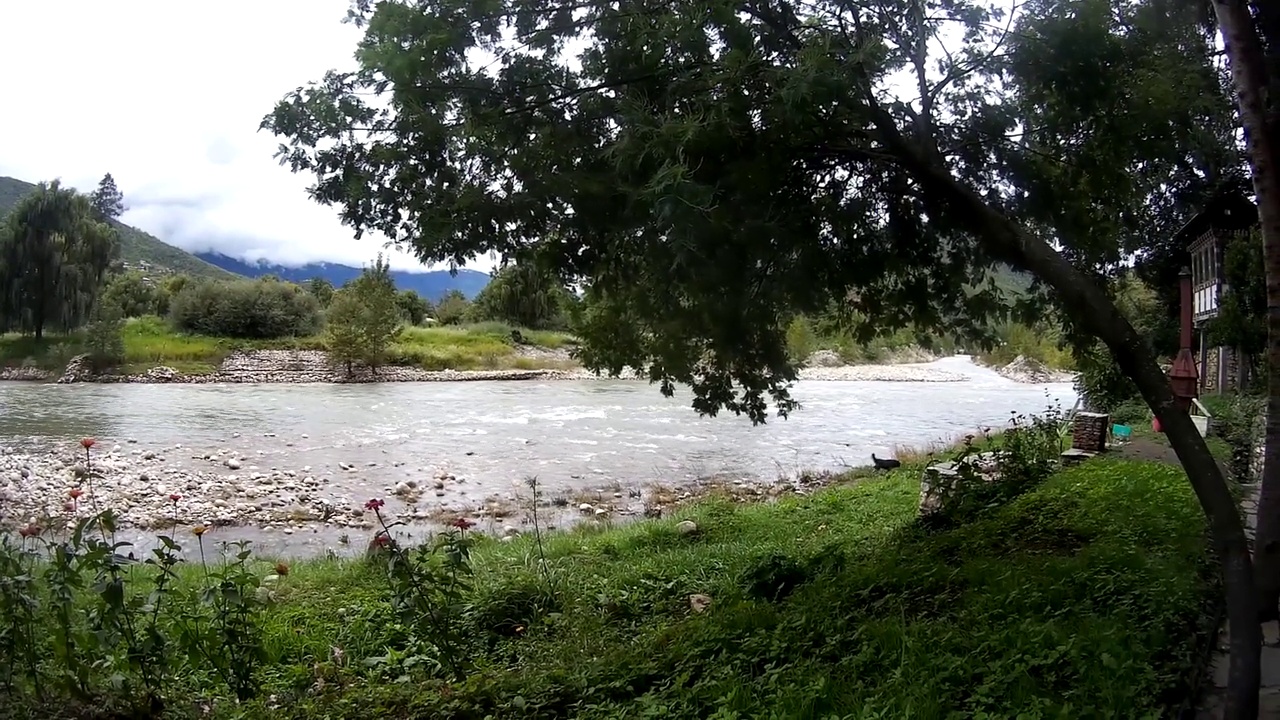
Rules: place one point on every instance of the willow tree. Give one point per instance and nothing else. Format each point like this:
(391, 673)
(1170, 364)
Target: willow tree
(523, 294)
(54, 254)
(710, 168)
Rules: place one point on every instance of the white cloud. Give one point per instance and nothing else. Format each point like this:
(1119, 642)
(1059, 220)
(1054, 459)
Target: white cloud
(167, 96)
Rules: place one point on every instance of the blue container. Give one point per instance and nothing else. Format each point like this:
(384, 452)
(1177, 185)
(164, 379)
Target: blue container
(1121, 432)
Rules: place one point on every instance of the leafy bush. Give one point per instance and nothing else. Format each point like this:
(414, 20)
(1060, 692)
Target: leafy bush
(1024, 455)
(1134, 413)
(134, 295)
(249, 309)
(364, 319)
(1101, 382)
(414, 308)
(1237, 419)
(453, 308)
(802, 341)
(104, 337)
(1040, 343)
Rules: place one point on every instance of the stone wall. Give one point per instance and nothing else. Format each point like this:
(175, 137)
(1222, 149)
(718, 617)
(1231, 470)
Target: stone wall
(1209, 370)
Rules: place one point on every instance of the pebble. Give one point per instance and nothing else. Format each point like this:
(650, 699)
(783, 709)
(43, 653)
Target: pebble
(222, 491)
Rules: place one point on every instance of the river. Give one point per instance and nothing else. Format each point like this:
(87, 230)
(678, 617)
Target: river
(571, 434)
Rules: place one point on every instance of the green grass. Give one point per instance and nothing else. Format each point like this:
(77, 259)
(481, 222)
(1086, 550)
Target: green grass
(1084, 598)
(472, 347)
(150, 341)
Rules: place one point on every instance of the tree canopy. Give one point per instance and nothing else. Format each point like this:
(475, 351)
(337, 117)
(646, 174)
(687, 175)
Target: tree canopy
(364, 318)
(711, 168)
(107, 199)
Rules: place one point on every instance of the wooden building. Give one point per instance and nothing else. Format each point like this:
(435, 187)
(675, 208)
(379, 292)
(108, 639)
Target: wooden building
(1206, 236)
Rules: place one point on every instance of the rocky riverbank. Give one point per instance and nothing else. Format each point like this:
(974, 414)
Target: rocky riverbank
(313, 366)
(177, 489)
(1033, 372)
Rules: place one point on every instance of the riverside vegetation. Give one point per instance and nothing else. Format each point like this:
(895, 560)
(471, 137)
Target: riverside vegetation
(128, 321)
(192, 325)
(1048, 594)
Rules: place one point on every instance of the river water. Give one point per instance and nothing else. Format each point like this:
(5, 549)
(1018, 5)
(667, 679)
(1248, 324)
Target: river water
(571, 434)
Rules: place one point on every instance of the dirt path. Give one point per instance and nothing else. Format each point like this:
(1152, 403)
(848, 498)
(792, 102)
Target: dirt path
(1146, 448)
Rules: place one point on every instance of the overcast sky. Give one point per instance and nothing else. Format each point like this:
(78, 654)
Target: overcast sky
(167, 97)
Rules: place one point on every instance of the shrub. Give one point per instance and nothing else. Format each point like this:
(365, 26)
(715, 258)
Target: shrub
(1130, 412)
(1040, 343)
(135, 295)
(1237, 419)
(104, 337)
(249, 309)
(802, 341)
(452, 308)
(1025, 455)
(413, 307)
(1101, 382)
(342, 329)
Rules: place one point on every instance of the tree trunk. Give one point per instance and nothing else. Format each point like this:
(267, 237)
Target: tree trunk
(1258, 111)
(1090, 307)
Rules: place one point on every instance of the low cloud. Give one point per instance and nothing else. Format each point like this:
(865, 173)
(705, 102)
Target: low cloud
(168, 98)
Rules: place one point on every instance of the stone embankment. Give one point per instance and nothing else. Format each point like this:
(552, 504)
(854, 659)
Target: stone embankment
(295, 366)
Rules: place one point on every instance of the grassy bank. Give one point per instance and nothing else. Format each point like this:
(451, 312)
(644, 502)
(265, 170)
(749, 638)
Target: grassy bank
(150, 341)
(1083, 598)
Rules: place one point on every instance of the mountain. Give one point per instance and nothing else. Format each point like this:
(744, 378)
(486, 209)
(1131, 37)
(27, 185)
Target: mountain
(138, 250)
(431, 285)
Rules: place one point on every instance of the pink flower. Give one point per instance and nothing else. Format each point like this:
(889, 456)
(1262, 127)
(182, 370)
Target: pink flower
(174, 499)
(374, 505)
(31, 530)
(87, 443)
(75, 493)
(462, 524)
